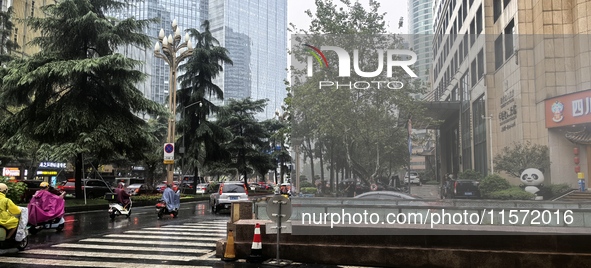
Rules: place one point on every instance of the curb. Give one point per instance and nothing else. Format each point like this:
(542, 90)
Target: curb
(81, 208)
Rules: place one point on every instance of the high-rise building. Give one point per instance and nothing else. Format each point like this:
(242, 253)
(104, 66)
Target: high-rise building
(23, 34)
(255, 34)
(188, 13)
(420, 18)
(508, 72)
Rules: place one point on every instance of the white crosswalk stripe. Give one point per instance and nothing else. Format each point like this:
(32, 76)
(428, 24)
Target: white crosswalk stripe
(186, 245)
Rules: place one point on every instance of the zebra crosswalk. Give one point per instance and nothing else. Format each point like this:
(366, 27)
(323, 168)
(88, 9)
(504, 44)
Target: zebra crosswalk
(186, 245)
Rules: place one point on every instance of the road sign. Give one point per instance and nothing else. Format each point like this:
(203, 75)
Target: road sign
(273, 206)
(169, 153)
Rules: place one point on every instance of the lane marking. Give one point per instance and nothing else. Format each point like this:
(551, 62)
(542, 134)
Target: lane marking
(219, 234)
(186, 230)
(148, 242)
(124, 248)
(62, 263)
(163, 237)
(193, 227)
(110, 255)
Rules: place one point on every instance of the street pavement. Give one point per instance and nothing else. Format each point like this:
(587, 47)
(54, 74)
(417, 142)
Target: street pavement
(91, 240)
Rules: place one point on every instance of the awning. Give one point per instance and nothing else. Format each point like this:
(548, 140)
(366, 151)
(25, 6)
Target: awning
(579, 137)
(439, 111)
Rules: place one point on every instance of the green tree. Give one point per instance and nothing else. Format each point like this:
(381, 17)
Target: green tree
(249, 136)
(360, 129)
(79, 96)
(202, 139)
(520, 156)
(155, 168)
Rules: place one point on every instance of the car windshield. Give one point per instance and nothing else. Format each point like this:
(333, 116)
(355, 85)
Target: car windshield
(233, 188)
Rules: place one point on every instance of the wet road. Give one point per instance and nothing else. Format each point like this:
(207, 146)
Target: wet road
(92, 239)
(84, 224)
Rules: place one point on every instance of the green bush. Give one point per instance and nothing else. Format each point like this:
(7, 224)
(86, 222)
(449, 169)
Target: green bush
(553, 190)
(558, 189)
(469, 174)
(15, 190)
(308, 190)
(493, 183)
(513, 193)
(306, 184)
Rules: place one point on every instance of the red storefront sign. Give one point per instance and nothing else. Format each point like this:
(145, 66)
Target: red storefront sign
(568, 110)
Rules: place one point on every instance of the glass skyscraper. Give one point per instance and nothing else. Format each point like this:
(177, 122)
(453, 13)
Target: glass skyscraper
(188, 13)
(420, 14)
(255, 34)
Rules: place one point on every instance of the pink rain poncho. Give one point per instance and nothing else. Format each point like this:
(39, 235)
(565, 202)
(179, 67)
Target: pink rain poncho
(45, 206)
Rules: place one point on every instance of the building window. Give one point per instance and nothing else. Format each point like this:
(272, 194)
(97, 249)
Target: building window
(480, 60)
(497, 9)
(499, 59)
(480, 154)
(473, 73)
(509, 31)
(479, 21)
(472, 32)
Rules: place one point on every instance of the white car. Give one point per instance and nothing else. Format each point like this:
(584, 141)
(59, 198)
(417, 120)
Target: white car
(414, 178)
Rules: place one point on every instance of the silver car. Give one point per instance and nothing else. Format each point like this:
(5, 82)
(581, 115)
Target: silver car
(228, 192)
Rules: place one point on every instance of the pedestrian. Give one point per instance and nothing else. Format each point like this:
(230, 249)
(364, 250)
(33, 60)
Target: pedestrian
(8, 212)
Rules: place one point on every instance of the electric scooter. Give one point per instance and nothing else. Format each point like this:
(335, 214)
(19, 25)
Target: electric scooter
(21, 235)
(57, 224)
(161, 209)
(116, 209)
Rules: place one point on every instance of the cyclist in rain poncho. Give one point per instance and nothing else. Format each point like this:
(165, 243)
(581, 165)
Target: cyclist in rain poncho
(172, 198)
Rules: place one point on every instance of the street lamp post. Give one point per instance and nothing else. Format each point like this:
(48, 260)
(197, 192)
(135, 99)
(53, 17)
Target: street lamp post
(170, 46)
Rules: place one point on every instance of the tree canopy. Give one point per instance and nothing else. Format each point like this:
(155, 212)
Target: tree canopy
(77, 95)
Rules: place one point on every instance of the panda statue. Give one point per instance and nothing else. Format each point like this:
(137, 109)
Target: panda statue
(532, 179)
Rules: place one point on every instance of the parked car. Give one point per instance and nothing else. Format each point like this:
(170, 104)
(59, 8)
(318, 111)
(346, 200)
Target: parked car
(414, 178)
(466, 189)
(385, 195)
(228, 192)
(32, 188)
(94, 188)
(137, 189)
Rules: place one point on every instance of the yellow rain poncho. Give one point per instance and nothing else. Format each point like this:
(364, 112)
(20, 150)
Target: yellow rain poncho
(8, 212)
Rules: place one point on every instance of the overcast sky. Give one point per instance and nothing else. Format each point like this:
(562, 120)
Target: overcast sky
(394, 10)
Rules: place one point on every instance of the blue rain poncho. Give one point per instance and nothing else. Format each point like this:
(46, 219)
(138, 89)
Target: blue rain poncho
(172, 199)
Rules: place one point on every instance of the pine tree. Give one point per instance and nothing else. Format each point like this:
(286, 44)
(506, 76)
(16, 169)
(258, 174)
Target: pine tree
(79, 96)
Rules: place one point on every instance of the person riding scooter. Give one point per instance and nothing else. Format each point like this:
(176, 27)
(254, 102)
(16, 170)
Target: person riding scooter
(8, 211)
(122, 196)
(172, 199)
(46, 187)
(46, 209)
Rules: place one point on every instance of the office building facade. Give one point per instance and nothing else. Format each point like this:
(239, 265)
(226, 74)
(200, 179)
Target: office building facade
(255, 35)
(508, 72)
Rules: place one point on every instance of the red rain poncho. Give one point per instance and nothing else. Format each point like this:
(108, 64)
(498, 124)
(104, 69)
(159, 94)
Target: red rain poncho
(45, 206)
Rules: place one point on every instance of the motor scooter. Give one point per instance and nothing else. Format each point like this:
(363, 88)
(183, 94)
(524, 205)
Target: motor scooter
(57, 224)
(162, 210)
(20, 239)
(116, 209)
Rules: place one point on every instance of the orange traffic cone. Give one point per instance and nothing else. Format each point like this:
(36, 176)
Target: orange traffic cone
(230, 254)
(256, 251)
